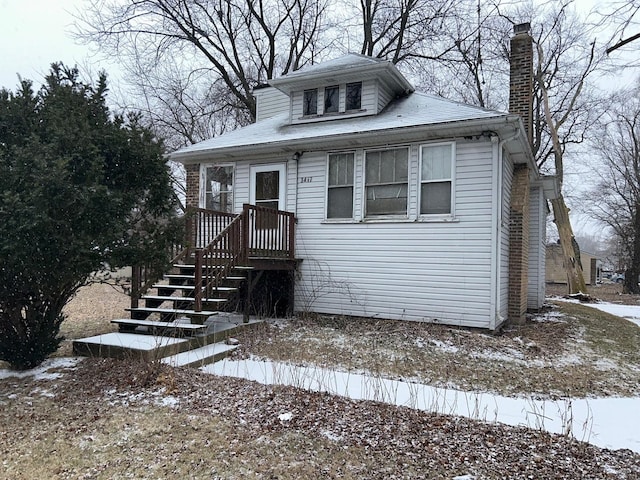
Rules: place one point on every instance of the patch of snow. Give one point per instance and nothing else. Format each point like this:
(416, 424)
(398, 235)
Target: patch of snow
(444, 347)
(42, 392)
(604, 364)
(628, 312)
(464, 477)
(552, 316)
(568, 360)
(331, 436)
(169, 401)
(285, 417)
(41, 372)
(506, 355)
(133, 341)
(606, 422)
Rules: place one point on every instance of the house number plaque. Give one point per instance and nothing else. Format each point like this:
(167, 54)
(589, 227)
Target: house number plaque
(305, 179)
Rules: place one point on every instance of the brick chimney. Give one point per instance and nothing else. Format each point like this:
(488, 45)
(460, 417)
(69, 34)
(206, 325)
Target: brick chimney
(520, 103)
(521, 76)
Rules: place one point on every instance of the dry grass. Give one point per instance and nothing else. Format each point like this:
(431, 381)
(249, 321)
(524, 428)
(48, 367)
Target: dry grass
(110, 419)
(90, 313)
(99, 422)
(568, 351)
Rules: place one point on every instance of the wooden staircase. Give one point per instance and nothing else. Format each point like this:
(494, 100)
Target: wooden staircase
(181, 310)
(175, 296)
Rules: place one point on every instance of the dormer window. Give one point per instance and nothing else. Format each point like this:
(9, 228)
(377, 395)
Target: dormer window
(310, 105)
(331, 99)
(354, 96)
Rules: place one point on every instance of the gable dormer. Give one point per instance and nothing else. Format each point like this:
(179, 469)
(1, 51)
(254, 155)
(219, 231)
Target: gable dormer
(349, 86)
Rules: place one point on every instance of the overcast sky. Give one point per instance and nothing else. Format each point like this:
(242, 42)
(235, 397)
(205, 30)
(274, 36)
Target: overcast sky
(35, 33)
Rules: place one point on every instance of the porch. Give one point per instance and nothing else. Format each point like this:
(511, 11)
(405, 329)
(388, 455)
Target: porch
(223, 260)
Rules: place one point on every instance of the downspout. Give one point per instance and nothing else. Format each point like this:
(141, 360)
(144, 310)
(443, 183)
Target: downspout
(496, 318)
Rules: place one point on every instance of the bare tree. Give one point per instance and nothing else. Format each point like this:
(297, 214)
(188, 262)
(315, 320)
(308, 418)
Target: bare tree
(240, 44)
(618, 189)
(566, 59)
(403, 29)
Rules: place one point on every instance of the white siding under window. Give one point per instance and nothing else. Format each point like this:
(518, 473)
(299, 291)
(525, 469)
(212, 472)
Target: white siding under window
(424, 271)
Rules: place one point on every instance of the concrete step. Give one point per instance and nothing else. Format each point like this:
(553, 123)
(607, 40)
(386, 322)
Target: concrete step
(153, 327)
(130, 346)
(199, 357)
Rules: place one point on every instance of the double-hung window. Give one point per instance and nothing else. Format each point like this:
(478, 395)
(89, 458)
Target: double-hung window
(353, 96)
(331, 99)
(218, 188)
(310, 102)
(436, 179)
(340, 186)
(386, 182)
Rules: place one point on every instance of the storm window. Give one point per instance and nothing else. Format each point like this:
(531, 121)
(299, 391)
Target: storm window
(218, 188)
(354, 96)
(386, 182)
(436, 179)
(331, 99)
(310, 106)
(340, 186)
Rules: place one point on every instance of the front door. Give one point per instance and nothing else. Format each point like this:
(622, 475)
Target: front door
(266, 231)
(268, 186)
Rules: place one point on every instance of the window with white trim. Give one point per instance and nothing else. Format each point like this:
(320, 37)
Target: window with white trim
(218, 188)
(310, 102)
(436, 179)
(340, 185)
(386, 182)
(353, 96)
(331, 99)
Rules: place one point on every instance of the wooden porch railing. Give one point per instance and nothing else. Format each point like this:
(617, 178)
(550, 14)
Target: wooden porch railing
(219, 242)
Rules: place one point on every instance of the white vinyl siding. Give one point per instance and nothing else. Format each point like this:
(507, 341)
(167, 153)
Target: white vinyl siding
(270, 102)
(537, 236)
(400, 270)
(385, 95)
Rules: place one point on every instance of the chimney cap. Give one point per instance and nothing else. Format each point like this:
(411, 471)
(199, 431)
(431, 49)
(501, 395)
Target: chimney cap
(521, 28)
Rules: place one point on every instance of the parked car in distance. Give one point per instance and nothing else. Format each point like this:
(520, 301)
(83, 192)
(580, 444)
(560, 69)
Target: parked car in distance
(617, 277)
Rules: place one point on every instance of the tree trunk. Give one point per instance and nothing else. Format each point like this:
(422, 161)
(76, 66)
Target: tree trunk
(631, 274)
(575, 278)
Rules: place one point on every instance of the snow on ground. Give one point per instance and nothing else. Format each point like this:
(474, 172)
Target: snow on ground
(42, 372)
(628, 312)
(606, 422)
(610, 422)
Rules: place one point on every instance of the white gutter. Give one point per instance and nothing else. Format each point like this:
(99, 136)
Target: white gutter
(496, 235)
(350, 139)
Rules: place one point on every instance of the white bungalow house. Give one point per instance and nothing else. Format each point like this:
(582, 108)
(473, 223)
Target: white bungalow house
(408, 206)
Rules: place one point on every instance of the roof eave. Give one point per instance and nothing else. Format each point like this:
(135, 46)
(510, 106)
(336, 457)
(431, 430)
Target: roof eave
(288, 84)
(503, 125)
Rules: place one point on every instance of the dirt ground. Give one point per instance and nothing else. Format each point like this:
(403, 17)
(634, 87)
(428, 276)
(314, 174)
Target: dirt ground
(606, 292)
(105, 419)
